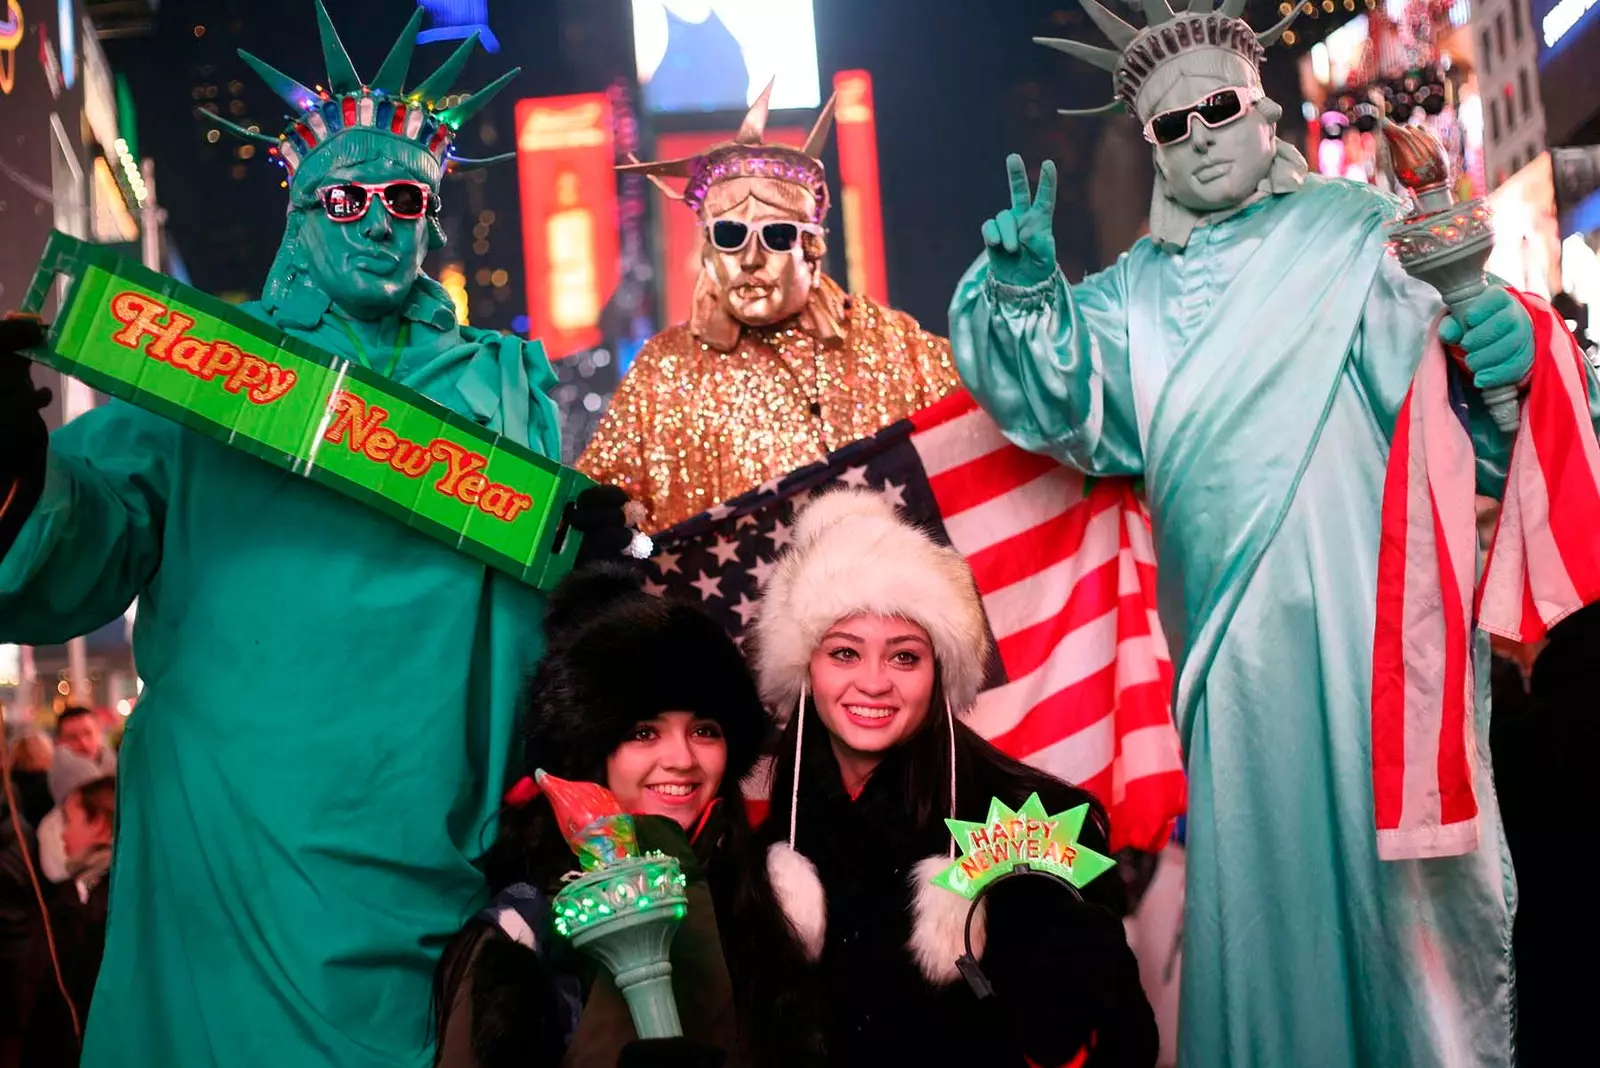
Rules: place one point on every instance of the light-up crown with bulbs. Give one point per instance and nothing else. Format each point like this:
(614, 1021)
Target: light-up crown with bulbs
(746, 156)
(1170, 31)
(347, 103)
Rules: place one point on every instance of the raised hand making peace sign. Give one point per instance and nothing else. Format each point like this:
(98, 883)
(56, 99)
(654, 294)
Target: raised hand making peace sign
(1022, 247)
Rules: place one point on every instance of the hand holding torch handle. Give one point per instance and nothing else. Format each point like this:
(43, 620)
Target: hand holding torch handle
(1441, 242)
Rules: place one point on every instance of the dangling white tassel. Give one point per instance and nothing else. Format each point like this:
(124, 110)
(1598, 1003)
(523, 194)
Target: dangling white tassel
(950, 719)
(799, 742)
(794, 878)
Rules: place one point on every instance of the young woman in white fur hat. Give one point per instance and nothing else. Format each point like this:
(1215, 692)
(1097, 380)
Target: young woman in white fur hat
(876, 634)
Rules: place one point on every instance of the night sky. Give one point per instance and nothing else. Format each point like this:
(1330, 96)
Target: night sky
(958, 84)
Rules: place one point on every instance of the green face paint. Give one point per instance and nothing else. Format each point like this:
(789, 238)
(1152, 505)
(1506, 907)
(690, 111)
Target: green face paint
(367, 265)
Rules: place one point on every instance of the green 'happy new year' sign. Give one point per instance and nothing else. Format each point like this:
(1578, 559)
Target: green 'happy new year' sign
(138, 335)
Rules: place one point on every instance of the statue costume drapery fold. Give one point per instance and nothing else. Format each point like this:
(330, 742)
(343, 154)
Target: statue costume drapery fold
(1250, 363)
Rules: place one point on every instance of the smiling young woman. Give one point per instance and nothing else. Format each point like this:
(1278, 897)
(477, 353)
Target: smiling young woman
(652, 700)
(876, 635)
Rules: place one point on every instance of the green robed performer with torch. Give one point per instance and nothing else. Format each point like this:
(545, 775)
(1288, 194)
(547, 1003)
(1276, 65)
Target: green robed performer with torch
(1256, 359)
(323, 735)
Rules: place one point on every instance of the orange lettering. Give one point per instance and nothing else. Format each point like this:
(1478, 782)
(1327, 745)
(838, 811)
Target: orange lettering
(495, 499)
(411, 459)
(351, 409)
(971, 868)
(381, 445)
(461, 463)
(141, 314)
(223, 360)
(279, 382)
(189, 354)
(471, 488)
(519, 501)
(251, 372)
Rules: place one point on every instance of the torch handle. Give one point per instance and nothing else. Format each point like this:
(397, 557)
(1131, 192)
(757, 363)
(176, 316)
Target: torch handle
(1501, 401)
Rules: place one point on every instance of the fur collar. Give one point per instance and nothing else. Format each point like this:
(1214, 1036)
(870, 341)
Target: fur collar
(938, 917)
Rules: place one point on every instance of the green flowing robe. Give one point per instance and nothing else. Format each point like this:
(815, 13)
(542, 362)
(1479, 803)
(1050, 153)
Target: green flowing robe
(325, 727)
(1254, 379)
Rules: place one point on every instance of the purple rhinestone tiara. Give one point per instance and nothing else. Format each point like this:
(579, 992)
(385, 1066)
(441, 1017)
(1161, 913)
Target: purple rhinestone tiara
(757, 161)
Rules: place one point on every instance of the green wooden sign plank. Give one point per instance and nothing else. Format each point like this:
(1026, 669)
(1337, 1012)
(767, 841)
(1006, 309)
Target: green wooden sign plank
(147, 339)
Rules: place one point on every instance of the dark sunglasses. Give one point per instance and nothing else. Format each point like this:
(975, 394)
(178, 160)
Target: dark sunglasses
(349, 201)
(1218, 109)
(731, 235)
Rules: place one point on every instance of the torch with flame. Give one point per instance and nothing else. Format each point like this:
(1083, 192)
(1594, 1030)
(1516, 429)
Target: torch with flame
(1441, 242)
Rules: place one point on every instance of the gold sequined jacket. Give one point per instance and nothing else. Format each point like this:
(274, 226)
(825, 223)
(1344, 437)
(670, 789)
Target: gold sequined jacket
(692, 426)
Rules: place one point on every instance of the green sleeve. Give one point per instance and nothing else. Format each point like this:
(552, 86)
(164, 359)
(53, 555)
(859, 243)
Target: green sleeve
(94, 541)
(1050, 364)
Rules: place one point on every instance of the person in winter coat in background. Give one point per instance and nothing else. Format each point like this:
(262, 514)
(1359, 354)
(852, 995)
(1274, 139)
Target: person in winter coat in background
(876, 634)
(653, 701)
(77, 935)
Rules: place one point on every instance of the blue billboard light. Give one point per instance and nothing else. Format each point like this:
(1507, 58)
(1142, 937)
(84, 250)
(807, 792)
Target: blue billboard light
(456, 20)
(69, 42)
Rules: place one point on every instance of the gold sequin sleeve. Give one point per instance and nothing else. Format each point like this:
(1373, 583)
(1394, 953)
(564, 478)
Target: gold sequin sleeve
(930, 359)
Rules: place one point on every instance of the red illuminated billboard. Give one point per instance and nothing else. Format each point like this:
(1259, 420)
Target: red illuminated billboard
(681, 240)
(859, 199)
(569, 216)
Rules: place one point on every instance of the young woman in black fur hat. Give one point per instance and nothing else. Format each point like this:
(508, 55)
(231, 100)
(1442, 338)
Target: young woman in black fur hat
(877, 635)
(652, 700)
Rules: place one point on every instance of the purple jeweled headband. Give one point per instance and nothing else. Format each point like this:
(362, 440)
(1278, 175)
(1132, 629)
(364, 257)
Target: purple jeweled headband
(757, 161)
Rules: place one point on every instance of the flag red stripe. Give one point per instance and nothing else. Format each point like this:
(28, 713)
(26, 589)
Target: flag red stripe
(1092, 597)
(982, 480)
(1568, 477)
(1457, 801)
(952, 406)
(1062, 714)
(1388, 656)
(1025, 555)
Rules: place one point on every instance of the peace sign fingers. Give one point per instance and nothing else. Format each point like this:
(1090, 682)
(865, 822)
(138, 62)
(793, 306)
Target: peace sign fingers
(1044, 203)
(1017, 172)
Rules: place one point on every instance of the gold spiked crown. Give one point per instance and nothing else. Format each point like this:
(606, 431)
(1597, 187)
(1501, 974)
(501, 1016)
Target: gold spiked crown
(746, 156)
(384, 105)
(1170, 31)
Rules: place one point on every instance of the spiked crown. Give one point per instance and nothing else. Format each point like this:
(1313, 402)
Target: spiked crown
(1170, 31)
(384, 104)
(746, 156)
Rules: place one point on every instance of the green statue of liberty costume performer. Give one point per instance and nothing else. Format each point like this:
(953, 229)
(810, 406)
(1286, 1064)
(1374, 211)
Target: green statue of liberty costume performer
(324, 732)
(1249, 358)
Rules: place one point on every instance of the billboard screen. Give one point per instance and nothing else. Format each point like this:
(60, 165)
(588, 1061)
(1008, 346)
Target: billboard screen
(717, 55)
(565, 156)
(858, 186)
(28, 96)
(1569, 79)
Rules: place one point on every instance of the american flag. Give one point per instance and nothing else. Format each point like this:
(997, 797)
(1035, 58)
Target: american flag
(1543, 565)
(1080, 685)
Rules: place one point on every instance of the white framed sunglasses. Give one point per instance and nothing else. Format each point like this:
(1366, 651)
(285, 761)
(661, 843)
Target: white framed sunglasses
(1217, 108)
(732, 235)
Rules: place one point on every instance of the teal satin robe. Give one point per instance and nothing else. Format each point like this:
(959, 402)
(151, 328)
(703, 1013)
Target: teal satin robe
(326, 724)
(1254, 380)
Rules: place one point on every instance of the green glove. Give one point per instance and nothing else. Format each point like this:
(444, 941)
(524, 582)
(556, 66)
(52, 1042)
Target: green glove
(1020, 241)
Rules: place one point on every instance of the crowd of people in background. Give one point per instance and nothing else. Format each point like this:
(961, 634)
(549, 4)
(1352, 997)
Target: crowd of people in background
(57, 821)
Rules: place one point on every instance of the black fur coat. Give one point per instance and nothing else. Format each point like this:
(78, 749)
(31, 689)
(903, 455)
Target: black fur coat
(1061, 969)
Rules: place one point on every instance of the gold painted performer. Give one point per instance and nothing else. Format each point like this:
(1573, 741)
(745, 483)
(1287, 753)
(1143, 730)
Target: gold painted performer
(777, 365)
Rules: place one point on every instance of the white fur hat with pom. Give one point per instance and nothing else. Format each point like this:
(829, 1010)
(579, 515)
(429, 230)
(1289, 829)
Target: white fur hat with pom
(852, 555)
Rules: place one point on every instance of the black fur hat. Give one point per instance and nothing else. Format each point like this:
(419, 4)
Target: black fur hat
(617, 655)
